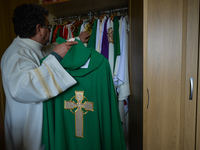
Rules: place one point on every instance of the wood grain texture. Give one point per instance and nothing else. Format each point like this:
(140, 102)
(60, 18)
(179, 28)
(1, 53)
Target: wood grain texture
(198, 106)
(164, 74)
(188, 117)
(136, 74)
(172, 56)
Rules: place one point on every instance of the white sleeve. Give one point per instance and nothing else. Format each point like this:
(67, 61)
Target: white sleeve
(28, 83)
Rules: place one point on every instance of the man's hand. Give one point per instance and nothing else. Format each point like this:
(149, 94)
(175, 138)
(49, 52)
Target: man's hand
(62, 49)
(84, 37)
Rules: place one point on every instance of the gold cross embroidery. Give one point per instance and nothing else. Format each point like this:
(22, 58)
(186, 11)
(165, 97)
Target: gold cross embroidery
(88, 106)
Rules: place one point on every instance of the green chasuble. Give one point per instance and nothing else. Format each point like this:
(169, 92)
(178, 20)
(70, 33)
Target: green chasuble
(116, 38)
(86, 116)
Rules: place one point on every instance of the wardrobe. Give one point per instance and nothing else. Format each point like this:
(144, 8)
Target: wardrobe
(164, 69)
(164, 65)
(164, 108)
(164, 75)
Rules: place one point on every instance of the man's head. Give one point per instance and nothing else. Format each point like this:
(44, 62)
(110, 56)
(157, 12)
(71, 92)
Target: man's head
(30, 21)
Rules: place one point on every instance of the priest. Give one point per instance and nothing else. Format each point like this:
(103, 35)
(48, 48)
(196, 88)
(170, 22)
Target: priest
(26, 82)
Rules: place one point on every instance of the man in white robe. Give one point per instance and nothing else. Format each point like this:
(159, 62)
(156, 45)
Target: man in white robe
(26, 82)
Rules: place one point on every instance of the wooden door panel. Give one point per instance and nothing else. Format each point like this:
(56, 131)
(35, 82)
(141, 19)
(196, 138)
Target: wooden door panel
(189, 69)
(171, 59)
(164, 48)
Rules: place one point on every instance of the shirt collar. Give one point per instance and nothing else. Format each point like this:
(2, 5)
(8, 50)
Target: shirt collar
(31, 43)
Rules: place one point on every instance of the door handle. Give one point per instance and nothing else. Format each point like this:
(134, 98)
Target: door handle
(148, 99)
(191, 89)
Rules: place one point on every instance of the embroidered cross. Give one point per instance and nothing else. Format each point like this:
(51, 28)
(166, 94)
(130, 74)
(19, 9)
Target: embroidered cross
(88, 106)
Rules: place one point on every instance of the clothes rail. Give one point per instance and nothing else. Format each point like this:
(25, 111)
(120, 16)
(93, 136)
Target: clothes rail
(90, 14)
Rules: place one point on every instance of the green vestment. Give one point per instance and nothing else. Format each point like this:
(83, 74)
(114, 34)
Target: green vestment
(92, 40)
(116, 38)
(86, 116)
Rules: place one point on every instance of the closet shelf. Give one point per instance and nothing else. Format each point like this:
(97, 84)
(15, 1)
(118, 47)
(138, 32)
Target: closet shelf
(78, 7)
(51, 3)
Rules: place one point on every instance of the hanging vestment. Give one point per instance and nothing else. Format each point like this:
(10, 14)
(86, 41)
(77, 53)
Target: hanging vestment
(92, 40)
(119, 65)
(116, 39)
(86, 27)
(124, 89)
(54, 27)
(70, 33)
(101, 27)
(50, 37)
(77, 26)
(55, 33)
(111, 46)
(65, 32)
(86, 116)
(105, 43)
(97, 34)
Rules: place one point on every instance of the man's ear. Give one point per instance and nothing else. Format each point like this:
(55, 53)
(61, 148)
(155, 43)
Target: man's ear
(38, 29)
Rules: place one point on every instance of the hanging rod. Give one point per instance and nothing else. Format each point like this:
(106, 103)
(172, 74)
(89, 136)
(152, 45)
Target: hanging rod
(115, 10)
(60, 19)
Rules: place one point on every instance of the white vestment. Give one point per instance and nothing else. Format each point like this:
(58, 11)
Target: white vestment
(117, 80)
(101, 29)
(123, 73)
(111, 46)
(27, 84)
(97, 34)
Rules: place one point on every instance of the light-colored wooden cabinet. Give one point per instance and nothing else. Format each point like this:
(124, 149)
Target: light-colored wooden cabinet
(163, 70)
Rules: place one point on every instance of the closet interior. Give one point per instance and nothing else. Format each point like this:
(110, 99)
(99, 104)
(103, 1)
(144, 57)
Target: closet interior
(68, 24)
(64, 15)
